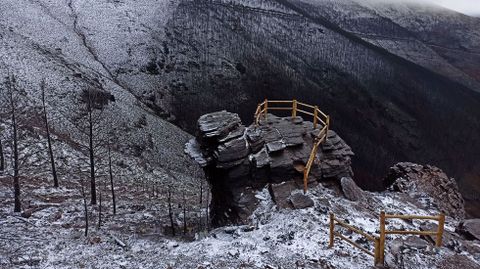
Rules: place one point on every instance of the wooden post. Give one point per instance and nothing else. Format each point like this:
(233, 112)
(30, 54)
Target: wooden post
(441, 224)
(332, 228)
(305, 180)
(315, 117)
(328, 124)
(377, 252)
(382, 237)
(266, 109)
(294, 108)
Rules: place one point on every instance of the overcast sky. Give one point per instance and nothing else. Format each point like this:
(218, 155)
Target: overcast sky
(470, 7)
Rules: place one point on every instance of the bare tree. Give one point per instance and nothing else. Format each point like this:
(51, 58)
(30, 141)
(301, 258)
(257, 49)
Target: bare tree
(110, 172)
(91, 122)
(91, 150)
(11, 90)
(85, 208)
(170, 211)
(184, 214)
(49, 141)
(100, 205)
(2, 159)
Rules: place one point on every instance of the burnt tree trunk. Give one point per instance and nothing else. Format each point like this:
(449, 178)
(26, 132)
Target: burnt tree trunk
(100, 204)
(16, 183)
(49, 141)
(91, 150)
(84, 206)
(170, 211)
(111, 180)
(184, 214)
(2, 159)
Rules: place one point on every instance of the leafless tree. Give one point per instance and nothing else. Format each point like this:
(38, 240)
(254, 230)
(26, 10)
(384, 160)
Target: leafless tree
(91, 122)
(11, 96)
(170, 211)
(184, 214)
(100, 205)
(2, 158)
(110, 172)
(85, 207)
(49, 140)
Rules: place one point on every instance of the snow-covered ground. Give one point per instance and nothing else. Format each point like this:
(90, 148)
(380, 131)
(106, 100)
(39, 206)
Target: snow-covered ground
(275, 238)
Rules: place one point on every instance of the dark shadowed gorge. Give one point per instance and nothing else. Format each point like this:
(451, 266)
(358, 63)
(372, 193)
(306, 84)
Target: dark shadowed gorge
(388, 107)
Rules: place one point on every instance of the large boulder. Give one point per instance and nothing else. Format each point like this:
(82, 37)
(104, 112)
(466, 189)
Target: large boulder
(238, 159)
(426, 181)
(470, 228)
(350, 189)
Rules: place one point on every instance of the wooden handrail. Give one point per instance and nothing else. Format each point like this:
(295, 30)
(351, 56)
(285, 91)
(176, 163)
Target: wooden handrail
(411, 217)
(438, 233)
(335, 221)
(293, 105)
(379, 249)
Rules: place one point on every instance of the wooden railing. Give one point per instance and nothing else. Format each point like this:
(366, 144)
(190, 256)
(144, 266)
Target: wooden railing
(296, 108)
(379, 247)
(376, 240)
(438, 233)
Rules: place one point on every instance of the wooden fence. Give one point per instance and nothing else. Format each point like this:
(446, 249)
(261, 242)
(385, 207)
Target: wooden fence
(379, 242)
(296, 108)
(376, 240)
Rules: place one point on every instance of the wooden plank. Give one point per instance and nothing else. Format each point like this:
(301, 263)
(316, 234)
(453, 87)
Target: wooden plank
(307, 105)
(321, 113)
(280, 101)
(411, 217)
(351, 228)
(413, 232)
(305, 112)
(354, 244)
(279, 108)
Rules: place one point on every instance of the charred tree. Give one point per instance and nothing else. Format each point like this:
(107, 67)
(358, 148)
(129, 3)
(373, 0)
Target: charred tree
(11, 83)
(91, 151)
(2, 159)
(100, 205)
(184, 214)
(110, 171)
(85, 208)
(170, 211)
(49, 140)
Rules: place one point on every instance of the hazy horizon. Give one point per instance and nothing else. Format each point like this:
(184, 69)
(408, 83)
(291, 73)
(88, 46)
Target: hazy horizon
(469, 7)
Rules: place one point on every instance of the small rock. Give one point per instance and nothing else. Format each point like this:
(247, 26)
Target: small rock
(350, 189)
(281, 192)
(300, 201)
(275, 146)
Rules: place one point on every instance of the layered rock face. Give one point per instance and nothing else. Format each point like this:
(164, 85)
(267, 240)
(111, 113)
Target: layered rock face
(238, 160)
(419, 181)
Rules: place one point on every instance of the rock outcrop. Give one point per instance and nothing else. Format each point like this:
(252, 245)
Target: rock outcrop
(238, 160)
(350, 189)
(430, 182)
(470, 228)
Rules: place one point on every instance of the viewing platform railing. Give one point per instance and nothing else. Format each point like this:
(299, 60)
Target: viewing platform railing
(319, 119)
(379, 241)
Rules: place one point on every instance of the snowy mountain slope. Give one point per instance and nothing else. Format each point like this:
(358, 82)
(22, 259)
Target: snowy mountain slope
(370, 21)
(40, 41)
(381, 70)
